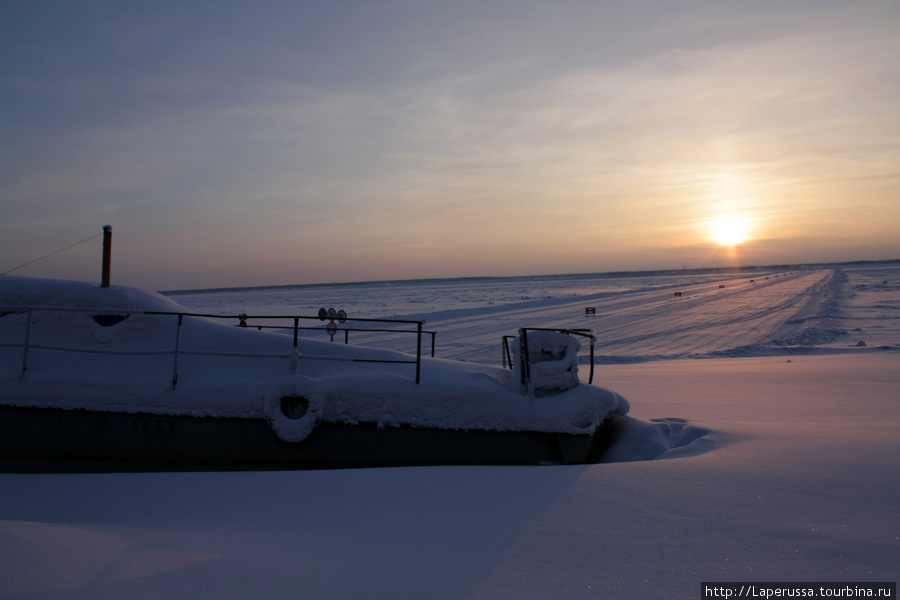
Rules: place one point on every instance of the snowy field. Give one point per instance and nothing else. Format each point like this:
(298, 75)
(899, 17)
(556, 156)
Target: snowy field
(763, 444)
(636, 318)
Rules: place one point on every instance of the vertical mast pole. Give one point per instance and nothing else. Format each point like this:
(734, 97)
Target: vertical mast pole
(107, 255)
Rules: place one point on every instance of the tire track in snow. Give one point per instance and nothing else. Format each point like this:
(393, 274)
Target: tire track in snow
(744, 316)
(651, 323)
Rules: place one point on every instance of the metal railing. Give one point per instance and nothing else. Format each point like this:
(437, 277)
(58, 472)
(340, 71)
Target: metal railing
(293, 355)
(347, 330)
(507, 354)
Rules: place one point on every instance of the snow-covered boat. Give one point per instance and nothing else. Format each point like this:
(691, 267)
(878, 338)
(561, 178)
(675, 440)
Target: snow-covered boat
(121, 378)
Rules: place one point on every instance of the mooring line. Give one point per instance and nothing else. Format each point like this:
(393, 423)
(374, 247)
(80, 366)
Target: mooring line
(52, 253)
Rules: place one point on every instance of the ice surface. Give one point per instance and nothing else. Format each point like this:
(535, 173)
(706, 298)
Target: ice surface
(773, 459)
(636, 318)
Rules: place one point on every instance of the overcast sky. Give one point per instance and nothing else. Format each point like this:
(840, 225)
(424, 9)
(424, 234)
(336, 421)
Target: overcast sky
(278, 142)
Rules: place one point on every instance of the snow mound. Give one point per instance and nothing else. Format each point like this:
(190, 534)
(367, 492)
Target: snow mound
(552, 361)
(658, 439)
(77, 294)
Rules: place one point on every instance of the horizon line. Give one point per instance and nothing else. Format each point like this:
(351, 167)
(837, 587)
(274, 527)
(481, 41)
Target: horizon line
(648, 272)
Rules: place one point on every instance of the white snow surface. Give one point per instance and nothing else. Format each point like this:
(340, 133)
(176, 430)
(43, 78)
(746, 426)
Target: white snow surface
(763, 444)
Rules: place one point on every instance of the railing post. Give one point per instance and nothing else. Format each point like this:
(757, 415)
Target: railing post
(27, 341)
(524, 358)
(177, 347)
(591, 378)
(296, 329)
(419, 351)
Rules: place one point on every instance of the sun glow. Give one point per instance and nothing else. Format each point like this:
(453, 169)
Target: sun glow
(729, 231)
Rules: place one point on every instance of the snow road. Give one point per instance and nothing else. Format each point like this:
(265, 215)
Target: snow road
(635, 318)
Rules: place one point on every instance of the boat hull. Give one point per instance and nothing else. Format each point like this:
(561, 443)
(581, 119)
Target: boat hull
(60, 440)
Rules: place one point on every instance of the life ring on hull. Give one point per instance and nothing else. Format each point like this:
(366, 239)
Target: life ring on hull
(293, 407)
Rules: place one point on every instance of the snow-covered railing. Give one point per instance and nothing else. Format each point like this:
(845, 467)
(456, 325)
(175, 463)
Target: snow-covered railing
(345, 330)
(114, 315)
(523, 343)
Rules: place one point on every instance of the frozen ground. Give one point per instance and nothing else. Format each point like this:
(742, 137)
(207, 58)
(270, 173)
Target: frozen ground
(775, 458)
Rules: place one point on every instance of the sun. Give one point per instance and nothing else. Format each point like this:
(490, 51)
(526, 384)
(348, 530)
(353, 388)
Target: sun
(729, 230)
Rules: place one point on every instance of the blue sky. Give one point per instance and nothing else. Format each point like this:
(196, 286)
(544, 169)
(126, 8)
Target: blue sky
(237, 143)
